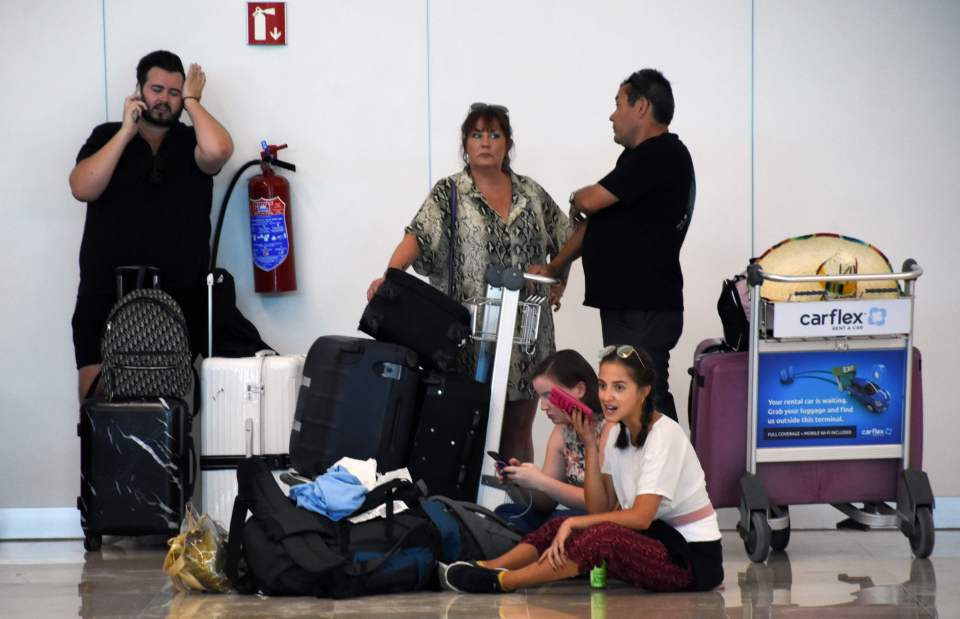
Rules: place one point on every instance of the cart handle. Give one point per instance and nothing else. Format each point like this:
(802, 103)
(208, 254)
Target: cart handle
(512, 278)
(541, 279)
(911, 271)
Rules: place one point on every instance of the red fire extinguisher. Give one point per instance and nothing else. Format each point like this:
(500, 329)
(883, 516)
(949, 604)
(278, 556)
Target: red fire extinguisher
(271, 227)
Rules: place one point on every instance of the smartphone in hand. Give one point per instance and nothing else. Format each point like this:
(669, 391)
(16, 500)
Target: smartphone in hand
(567, 403)
(498, 463)
(500, 460)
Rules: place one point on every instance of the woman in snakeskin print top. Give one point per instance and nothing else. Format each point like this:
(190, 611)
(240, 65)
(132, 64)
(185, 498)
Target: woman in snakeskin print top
(502, 218)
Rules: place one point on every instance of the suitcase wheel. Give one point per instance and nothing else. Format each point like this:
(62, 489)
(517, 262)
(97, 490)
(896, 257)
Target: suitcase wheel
(91, 542)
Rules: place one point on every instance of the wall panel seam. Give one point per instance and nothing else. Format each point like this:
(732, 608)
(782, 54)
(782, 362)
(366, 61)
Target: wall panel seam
(103, 30)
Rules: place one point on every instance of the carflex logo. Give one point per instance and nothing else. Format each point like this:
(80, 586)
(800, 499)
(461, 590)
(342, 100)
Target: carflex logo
(878, 316)
(834, 317)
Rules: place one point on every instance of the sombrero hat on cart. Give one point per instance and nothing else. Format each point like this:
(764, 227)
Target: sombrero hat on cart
(825, 253)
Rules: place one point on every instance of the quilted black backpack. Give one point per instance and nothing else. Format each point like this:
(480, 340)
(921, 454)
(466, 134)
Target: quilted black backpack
(145, 348)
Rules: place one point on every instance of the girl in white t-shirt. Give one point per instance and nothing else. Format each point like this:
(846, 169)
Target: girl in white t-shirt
(649, 515)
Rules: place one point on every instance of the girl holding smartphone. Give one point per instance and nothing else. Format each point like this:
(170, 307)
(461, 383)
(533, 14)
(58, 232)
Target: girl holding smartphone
(557, 488)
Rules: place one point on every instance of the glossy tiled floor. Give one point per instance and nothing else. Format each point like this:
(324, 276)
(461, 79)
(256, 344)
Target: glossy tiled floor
(822, 574)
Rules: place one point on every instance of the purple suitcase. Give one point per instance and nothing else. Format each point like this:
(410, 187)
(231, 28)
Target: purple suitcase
(718, 422)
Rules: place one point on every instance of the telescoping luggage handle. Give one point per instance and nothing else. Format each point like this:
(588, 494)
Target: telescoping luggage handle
(145, 277)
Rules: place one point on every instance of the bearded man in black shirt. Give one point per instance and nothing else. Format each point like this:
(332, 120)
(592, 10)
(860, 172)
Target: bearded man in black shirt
(632, 224)
(148, 185)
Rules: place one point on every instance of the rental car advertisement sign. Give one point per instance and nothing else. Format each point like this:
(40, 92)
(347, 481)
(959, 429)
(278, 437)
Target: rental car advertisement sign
(833, 318)
(827, 398)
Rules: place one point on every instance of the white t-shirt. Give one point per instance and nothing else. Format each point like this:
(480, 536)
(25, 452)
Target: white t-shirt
(666, 465)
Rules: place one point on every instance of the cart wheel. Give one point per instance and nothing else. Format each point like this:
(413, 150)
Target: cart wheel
(92, 542)
(757, 541)
(921, 540)
(780, 539)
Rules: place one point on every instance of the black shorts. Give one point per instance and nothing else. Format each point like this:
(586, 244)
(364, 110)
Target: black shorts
(93, 308)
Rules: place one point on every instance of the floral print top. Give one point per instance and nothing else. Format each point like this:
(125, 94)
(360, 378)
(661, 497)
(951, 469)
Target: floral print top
(535, 230)
(573, 456)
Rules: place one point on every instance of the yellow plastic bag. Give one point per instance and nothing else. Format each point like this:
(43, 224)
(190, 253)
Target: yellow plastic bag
(197, 556)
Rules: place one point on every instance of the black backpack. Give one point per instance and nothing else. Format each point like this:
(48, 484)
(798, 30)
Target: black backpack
(734, 313)
(145, 348)
(469, 532)
(287, 550)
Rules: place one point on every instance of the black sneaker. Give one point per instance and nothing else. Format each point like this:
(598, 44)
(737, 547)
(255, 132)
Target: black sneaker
(467, 578)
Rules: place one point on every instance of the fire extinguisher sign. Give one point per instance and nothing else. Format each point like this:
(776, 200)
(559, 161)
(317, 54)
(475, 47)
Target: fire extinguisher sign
(268, 232)
(266, 23)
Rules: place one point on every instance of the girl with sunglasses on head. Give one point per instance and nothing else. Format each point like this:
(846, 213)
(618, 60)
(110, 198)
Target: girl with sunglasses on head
(557, 488)
(649, 519)
(501, 218)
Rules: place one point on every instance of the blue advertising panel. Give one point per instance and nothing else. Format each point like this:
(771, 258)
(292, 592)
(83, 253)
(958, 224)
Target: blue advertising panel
(828, 398)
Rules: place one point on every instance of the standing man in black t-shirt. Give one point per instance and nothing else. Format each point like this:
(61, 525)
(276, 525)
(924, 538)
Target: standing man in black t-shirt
(148, 188)
(632, 224)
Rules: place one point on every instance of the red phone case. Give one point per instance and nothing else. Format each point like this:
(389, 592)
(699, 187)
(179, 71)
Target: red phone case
(567, 403)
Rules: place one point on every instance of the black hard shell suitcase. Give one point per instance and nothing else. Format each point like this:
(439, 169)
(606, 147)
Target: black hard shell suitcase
(410, 312)
(357, 399)
(137, 467)
(447, 451)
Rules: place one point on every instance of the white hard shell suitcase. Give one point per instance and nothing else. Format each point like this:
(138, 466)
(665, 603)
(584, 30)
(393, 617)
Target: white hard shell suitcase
(248, 406)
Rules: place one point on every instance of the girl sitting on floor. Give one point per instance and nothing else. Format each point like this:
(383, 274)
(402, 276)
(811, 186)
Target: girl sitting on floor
(560, 481)
(649, 516)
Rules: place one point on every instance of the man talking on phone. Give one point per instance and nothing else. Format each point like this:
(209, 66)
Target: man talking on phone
(147, 182)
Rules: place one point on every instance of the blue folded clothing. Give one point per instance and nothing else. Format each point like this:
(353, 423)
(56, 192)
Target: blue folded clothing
(336, 494)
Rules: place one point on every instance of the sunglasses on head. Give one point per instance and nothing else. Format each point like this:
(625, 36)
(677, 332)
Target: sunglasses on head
(623, 352)
(479, 106)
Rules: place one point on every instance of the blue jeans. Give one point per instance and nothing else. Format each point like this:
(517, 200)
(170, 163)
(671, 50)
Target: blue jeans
(534, 518)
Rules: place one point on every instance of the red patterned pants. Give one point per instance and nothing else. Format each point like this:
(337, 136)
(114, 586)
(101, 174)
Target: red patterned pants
(631, 556)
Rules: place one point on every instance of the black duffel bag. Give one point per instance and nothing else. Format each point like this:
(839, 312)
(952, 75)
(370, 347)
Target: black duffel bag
(287, 550)
(410, 312)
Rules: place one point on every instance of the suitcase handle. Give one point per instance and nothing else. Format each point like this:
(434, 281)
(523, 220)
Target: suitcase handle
(248, 433)
(192, 480)
(350, 348)
(141, 272)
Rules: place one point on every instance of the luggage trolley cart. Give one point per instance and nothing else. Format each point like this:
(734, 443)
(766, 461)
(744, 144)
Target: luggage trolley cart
(502, 320)
(863, 349)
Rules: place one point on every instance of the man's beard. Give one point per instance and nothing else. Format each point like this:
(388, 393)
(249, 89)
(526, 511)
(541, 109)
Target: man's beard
(166, 121)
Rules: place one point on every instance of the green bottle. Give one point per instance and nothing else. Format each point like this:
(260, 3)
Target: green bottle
(598, 576)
